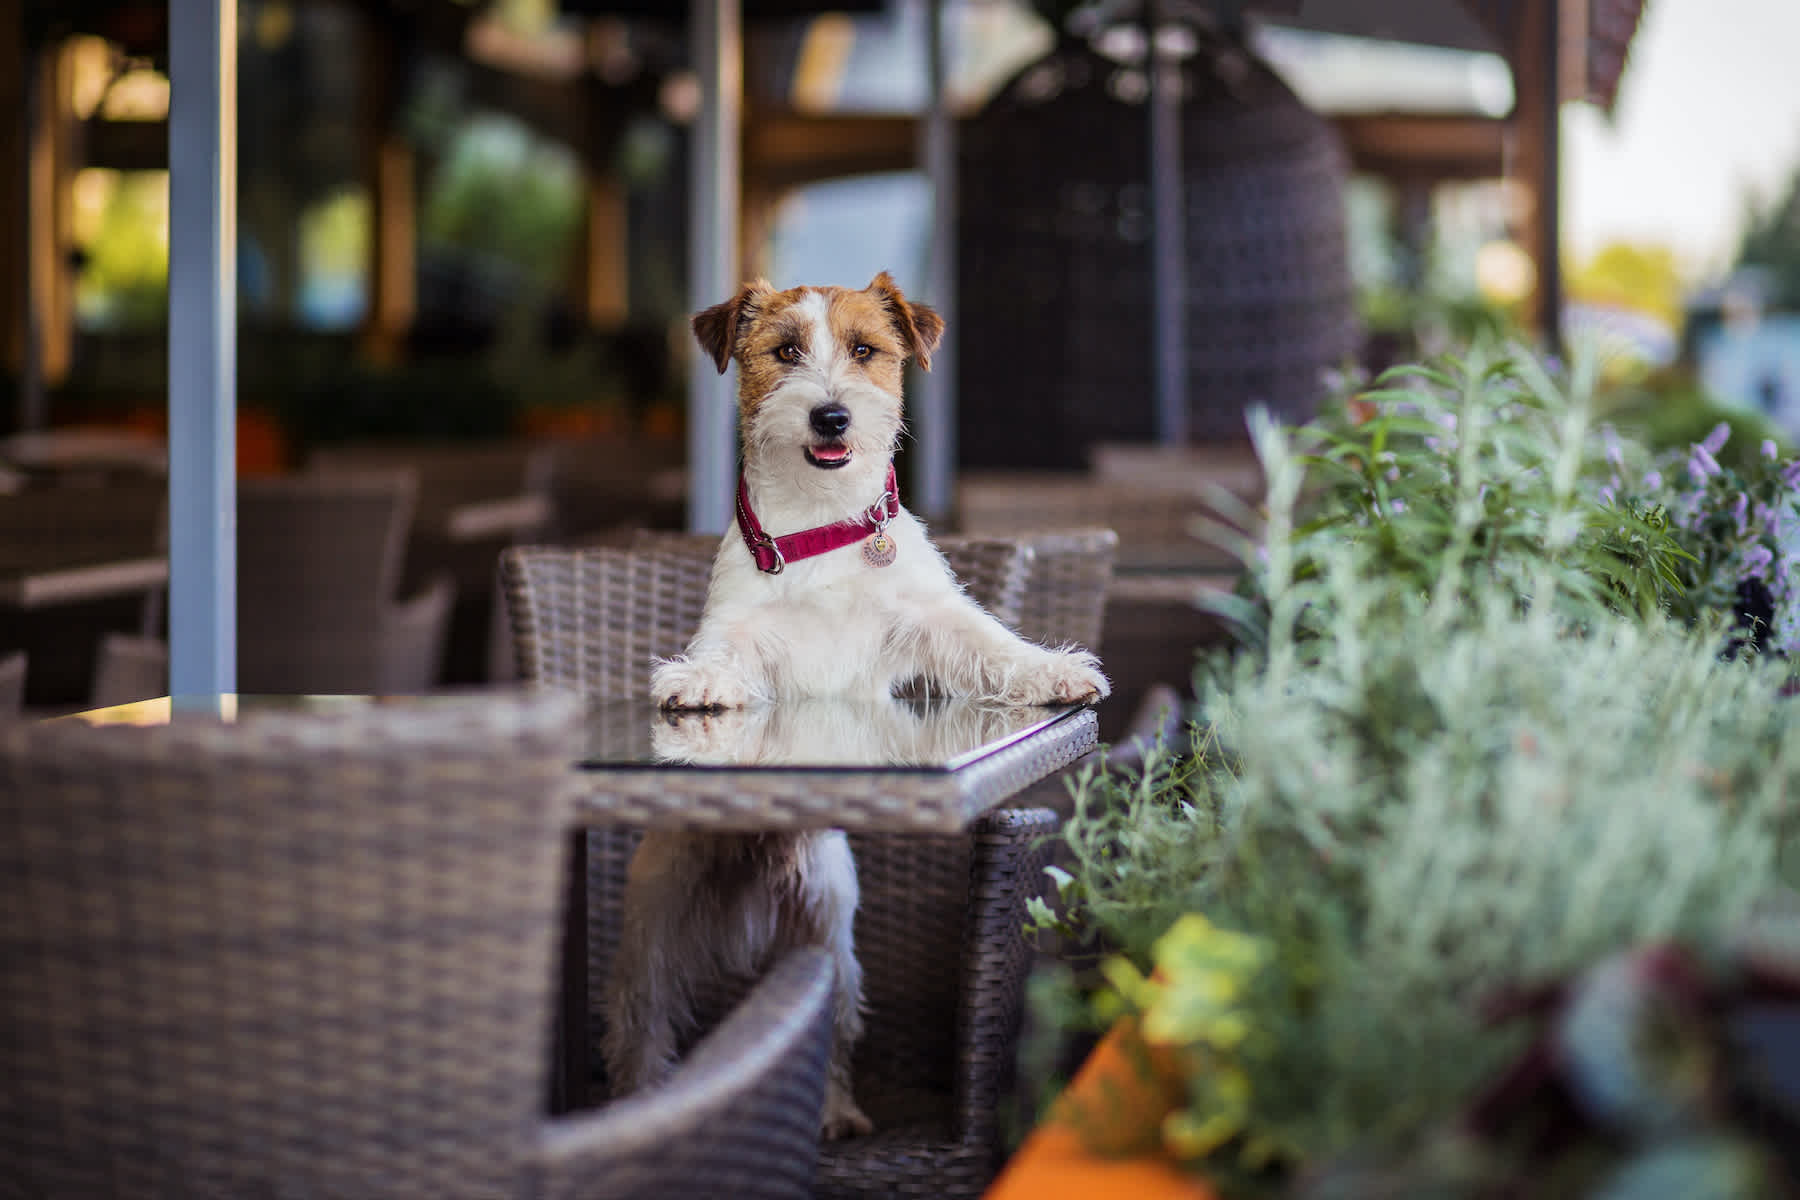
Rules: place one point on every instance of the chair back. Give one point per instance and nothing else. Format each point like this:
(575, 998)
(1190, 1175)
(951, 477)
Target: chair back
(1067, 573)
(306, 954)
(1158, 528)
(12, 684)
(594, 621)
(55, 526)
(319, 563)
(449, 473)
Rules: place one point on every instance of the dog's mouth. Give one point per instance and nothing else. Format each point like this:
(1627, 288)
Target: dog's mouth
(828, 456)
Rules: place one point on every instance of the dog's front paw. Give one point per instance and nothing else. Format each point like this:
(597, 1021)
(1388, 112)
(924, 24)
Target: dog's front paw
(842, 1118)
(1067, 677)
(686, 683)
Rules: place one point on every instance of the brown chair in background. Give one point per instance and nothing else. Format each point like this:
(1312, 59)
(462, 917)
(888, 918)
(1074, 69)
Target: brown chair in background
(312, 954)
(320, 558)
(474, 500)
(939, 930)
(128, 669)
(12, 684)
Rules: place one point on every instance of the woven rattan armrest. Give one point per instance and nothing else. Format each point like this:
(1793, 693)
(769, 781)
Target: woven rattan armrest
(739, 1118)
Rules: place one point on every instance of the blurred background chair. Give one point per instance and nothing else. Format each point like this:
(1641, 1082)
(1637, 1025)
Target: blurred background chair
(474, 499)
(91, 534)
(12, 684)
(320, 561)
(128, 669)
(939, 928)
(312, 954)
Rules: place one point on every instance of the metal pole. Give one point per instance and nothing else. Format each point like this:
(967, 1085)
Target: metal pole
(1168, 239)
(717, 50)
(1550, 252)
(202, 350)
(934, 479)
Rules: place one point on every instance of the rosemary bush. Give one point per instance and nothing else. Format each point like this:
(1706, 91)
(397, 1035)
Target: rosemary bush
(1472, 751)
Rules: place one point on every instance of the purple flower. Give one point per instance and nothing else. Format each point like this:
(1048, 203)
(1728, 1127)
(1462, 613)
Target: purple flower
(1445, 420)
(1739, 508)
(1715, 441)
(1607, 495)
(1757, 559)
(1615, 454)
(1398, 506)
(1652, 480)
(1701, 464)
(1768, 449)
(1790, 474)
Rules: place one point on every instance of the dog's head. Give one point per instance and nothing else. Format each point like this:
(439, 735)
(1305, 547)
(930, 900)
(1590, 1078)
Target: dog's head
(819, 372)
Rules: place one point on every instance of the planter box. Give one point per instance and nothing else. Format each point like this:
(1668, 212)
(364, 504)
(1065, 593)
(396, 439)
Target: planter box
(1113, 1101)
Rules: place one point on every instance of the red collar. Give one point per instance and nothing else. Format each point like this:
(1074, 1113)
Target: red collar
(772, 554)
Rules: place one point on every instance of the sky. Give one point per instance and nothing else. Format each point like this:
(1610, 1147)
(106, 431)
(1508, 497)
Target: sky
(1708, 113)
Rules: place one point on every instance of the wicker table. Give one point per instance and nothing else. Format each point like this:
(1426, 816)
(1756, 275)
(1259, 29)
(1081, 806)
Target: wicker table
(880, 766)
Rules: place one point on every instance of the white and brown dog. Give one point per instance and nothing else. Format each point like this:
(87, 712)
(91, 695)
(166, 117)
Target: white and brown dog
(825, 586)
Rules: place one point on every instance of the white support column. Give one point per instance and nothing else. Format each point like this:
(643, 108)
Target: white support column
(715, 30)
(934, 478)
(202, 350)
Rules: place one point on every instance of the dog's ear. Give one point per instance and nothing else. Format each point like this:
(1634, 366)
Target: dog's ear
(717, 328)
(918, 325)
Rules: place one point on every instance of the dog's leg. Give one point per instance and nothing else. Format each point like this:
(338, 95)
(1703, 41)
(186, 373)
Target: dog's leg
(827, 917)
(970, 653)
(649, 998)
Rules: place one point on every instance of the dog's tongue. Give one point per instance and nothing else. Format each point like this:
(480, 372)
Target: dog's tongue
(830, 453)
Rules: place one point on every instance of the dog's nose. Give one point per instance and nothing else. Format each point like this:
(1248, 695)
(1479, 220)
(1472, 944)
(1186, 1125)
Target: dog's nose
(830, 420)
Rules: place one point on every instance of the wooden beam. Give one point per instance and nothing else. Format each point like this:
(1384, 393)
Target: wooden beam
(784, 149)
(13, 110)
(1407, 145)
(603, 273)
(49, 183)
(389, 170)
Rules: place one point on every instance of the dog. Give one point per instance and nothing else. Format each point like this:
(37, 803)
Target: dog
(846, 598)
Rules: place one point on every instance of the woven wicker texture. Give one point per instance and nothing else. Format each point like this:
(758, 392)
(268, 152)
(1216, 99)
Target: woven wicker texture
(1066, 575)
(1158, 528)
(939, 929)
(12, 684)
(52, 526)
(943, 1027)
(740, 1117)
(1056, 257)
(595, 621)
(302, 956)
(454, 479)
(319, 566)
(312, 955)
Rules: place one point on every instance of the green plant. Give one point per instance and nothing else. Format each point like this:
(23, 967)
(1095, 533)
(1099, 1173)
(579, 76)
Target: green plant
(1469, 476)
(1429, 786)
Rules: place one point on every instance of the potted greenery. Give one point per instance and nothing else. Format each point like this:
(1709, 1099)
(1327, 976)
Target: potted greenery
(1471, 757)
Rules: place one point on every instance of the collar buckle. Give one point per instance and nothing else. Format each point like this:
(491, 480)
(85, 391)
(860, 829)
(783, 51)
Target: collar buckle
(763, 541)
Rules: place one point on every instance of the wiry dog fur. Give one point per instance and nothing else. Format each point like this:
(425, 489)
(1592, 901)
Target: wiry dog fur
(702, 907)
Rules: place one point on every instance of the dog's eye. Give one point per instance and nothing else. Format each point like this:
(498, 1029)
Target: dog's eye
(788, 353)
(861, 351)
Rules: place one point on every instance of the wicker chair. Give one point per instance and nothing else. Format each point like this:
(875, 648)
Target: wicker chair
(1158, 528)
(942, 1025)
(474, 500)
(310, 954)
(319, 563)
(129, 668)
(12, 684)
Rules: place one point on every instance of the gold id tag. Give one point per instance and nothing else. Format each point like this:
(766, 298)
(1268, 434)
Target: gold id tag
(879, 549)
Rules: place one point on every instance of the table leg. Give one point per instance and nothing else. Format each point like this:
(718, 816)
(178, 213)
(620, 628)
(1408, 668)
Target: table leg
(569, 1080)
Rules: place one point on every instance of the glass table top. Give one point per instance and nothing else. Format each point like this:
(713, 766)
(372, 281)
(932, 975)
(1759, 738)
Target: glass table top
(935, 735)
